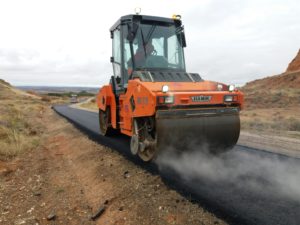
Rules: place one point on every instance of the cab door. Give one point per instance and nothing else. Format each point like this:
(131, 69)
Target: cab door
(119, 84)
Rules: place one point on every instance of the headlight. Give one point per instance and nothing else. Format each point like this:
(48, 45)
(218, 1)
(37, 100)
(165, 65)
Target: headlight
(165, 88)
(231, 87)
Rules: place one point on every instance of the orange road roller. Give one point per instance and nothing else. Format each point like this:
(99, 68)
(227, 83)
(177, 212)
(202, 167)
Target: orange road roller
(154, 100)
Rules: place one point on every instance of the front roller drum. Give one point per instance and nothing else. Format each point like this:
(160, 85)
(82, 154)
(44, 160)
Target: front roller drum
(207, 130)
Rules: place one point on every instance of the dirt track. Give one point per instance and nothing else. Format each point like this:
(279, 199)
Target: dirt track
(69, 177)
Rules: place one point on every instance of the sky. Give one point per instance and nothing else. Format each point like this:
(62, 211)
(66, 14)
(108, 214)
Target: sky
(67, 43)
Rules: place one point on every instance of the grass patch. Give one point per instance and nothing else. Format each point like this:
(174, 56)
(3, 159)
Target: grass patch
(19, 126)
(90, 105)
(46, 98)
(15, 134)
(276, 120)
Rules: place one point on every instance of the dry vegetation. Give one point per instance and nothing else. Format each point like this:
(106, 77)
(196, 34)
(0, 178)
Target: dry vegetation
(89, 104)
(277, 121)
(20, 127)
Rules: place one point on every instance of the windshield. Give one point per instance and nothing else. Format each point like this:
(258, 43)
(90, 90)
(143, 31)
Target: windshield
(154, 47)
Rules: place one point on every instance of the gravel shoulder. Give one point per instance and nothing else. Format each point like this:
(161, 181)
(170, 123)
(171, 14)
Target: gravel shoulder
(277, 144)
(88, 105)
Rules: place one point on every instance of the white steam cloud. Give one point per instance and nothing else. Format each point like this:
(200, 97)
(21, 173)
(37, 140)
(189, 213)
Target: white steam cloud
(243, 169)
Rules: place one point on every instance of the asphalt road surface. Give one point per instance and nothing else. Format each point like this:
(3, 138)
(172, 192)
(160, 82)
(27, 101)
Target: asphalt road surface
(243, 186)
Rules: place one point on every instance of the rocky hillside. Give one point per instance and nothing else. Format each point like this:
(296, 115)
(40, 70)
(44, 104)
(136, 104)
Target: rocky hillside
(279, 91)
(295, 64)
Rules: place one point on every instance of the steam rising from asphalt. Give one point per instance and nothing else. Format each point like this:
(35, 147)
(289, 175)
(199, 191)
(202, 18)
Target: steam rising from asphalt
(240, 169)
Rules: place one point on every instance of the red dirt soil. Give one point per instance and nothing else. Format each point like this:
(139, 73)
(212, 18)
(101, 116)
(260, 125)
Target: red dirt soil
(279, 91)
(295, 64)
(285, 80)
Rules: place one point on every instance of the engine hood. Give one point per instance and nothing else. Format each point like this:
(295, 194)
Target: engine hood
(184, 86)
(176, 81)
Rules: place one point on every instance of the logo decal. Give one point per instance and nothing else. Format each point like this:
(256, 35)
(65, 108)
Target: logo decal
(201, 98)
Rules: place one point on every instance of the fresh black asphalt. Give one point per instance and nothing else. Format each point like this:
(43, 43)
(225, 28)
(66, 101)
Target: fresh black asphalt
(259, 188)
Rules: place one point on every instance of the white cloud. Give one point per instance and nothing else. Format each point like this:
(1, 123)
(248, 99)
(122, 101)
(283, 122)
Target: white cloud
(67, 42)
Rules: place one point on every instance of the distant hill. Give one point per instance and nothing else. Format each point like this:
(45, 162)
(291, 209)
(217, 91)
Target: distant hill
(47, 89)
(279, 91)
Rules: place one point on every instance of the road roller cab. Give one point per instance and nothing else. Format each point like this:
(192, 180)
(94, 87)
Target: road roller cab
(154, 100)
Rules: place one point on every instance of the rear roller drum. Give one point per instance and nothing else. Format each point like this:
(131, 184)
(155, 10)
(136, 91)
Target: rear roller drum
(104, 122)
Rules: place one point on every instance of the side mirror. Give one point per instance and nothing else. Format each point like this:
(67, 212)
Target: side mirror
(112, 60)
